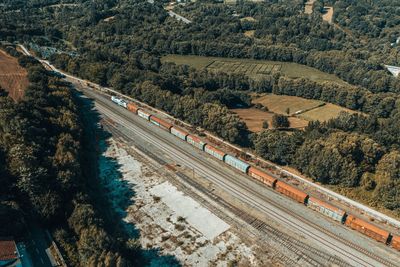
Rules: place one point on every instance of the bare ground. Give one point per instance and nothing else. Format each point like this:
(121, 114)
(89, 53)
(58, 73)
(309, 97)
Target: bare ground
(13, 78)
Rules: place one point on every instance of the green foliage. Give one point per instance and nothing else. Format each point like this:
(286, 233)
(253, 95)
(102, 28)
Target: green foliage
(280, 121)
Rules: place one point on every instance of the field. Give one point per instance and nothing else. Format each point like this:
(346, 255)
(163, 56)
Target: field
(253, 68)
(328, 15)
(254, 119)
(280, 103)
(324, 113)
(13, 78)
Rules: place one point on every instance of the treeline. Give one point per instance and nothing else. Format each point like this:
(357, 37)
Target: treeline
(42, 176)
(351, 151)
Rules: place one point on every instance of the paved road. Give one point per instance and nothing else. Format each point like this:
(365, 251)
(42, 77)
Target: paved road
(238, 186)
(37, 245)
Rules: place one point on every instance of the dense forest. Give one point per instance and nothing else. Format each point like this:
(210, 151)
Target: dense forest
(47, 172)
(119, 43)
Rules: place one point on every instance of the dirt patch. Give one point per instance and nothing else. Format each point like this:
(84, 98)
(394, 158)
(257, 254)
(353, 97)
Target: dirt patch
(251, 19)
(328, 15)
(308, 8)
(13, 78)
(254, 119)
(280, 103)
(249, 33)
(109, 19)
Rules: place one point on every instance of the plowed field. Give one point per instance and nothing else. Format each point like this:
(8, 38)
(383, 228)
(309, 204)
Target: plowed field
(13, 78)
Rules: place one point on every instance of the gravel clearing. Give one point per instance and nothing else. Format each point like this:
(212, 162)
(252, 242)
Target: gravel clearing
(166, 219)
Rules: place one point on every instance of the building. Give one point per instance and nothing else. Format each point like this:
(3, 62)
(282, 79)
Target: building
(9, 255)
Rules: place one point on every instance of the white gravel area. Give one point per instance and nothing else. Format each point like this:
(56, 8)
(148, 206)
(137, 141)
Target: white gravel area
(166, 219)
(200, 218)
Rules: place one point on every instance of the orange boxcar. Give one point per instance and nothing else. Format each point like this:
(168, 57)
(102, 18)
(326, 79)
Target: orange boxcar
(262, 176)
(396, 242)
(132, 107)
(367, 228)
(291, 192)
(161, 123)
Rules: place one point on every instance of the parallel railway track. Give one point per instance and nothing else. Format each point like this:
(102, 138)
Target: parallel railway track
(168, 146)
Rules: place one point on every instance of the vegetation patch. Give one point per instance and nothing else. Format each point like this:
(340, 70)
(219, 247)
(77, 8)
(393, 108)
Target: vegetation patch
(324, 113)
(253, 68)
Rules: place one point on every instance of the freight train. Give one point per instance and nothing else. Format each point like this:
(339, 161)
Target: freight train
(269, 180)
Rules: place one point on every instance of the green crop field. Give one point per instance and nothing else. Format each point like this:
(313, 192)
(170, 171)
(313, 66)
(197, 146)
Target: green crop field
(253, 68)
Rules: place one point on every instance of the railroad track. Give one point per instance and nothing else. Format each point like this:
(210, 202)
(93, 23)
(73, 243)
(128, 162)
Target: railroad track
(205, 173)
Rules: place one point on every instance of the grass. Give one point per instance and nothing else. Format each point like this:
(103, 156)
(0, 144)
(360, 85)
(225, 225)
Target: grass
(253, 68)
(280, 103)
(13, 78)
(254, 119)
(324, 113)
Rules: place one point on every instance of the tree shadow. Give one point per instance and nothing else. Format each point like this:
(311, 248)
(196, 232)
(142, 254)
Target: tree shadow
(112, 194)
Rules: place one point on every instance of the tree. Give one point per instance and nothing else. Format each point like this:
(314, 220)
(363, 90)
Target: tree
(265, 124)
(280, 121)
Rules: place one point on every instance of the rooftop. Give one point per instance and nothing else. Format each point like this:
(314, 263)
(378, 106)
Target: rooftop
(8, 249)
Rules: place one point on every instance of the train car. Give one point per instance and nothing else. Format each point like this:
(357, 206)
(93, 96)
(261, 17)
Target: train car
(196, 142)
(143, 114)
(396, 242)
(367, 229)
(262, 177)
(119, 101)
(236, 163)
(179, 133)
(133, 108)
(159, 122)
(326, 209)
(215, 152)
(291, 192)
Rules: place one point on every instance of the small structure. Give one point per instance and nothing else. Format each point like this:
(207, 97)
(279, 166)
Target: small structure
(393, 70)
(9, 255)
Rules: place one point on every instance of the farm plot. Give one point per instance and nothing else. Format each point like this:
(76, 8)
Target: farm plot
(254, 119)
(255, 69)
(13, 78)
(324, 113)
(281, 103)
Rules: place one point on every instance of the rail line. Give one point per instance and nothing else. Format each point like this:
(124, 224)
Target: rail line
(206, 174)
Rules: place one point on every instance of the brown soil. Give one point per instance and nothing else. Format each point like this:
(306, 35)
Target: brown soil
(13, 78)
(254, 119)
(328, 15)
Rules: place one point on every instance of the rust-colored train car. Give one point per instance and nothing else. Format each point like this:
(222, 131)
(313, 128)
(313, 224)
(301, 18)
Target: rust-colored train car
(326, 209)
(132, 107)
(396, 242)
(159, 122)
(291, 192)
(179, 133)
(262, 176)
(367, 229)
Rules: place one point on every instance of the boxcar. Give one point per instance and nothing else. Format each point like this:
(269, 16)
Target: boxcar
(326, 209)
(262, 176)
(367, 229)
(179, 133)
(396, 242)
(194, 141)
(143, 114)
(159, 122)
(291, 192)
(214, 152)
(236, 163)
(133, 108)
